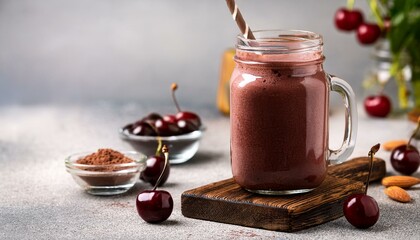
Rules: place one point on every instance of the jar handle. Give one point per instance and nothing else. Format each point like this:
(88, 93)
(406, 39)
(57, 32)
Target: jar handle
(350, 131)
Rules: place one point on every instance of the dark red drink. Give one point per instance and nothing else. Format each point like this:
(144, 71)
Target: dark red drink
(279, 115)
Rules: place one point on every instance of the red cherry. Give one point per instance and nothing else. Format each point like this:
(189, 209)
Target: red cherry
(368, 33)
(348, 20)
(152, 117)
(170, 118)
(378, 106)
(361, 210)
(154, 206)
(186, 126)
(189, 116)
(155, 166)
(165, 128)
(142, 128)
(405, 160)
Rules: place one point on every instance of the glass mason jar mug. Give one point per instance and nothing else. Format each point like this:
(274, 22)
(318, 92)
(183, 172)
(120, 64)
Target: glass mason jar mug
(279, 113)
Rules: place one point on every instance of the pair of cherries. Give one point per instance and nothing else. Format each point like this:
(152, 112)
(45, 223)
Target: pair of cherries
(348, 19)
(155, 206)
(168, 125)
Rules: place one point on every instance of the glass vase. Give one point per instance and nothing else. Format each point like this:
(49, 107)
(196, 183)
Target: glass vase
(380, 79)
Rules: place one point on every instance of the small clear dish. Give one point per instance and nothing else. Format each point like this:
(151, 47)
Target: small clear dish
(108, 179)
(181, 147)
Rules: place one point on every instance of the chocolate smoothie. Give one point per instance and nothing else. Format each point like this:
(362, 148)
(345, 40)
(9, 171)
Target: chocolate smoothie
(279, 121)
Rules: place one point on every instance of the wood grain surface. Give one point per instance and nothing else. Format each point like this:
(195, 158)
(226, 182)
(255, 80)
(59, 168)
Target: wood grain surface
(226, 202)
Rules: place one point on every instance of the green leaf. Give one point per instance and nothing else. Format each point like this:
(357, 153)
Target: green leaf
(397, 19)
(404, 35)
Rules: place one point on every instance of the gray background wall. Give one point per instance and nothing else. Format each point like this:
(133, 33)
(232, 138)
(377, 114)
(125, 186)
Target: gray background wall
(65, 51)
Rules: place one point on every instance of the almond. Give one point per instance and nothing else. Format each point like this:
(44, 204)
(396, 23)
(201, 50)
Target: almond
(398, 194)
(390, 145)
(400, 181)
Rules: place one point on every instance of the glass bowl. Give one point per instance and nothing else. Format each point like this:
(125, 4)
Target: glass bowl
(181, 147)
(108, 179)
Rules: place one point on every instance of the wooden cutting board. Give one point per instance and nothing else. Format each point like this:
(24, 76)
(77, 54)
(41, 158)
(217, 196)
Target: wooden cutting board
(226, 202)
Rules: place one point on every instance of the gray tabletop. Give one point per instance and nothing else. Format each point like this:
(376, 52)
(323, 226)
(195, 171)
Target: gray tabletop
(40, 200)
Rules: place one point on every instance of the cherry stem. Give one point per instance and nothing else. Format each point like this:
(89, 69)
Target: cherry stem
(382, 88)
(375, 9)
(414, 133)
(371, 154)
(159, 147)
(159, 139)
(174, 87)
(350, 4)
(165, 152)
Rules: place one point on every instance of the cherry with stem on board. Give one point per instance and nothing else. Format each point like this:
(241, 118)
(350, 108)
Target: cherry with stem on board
(361, 210)
(155, 206)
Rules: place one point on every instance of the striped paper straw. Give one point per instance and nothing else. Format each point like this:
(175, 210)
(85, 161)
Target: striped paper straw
(237, 16)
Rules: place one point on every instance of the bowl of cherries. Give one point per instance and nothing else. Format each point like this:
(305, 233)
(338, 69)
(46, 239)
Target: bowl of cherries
(180, 132)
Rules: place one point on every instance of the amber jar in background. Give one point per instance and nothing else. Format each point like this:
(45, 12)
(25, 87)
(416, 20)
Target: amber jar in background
(223, 91)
